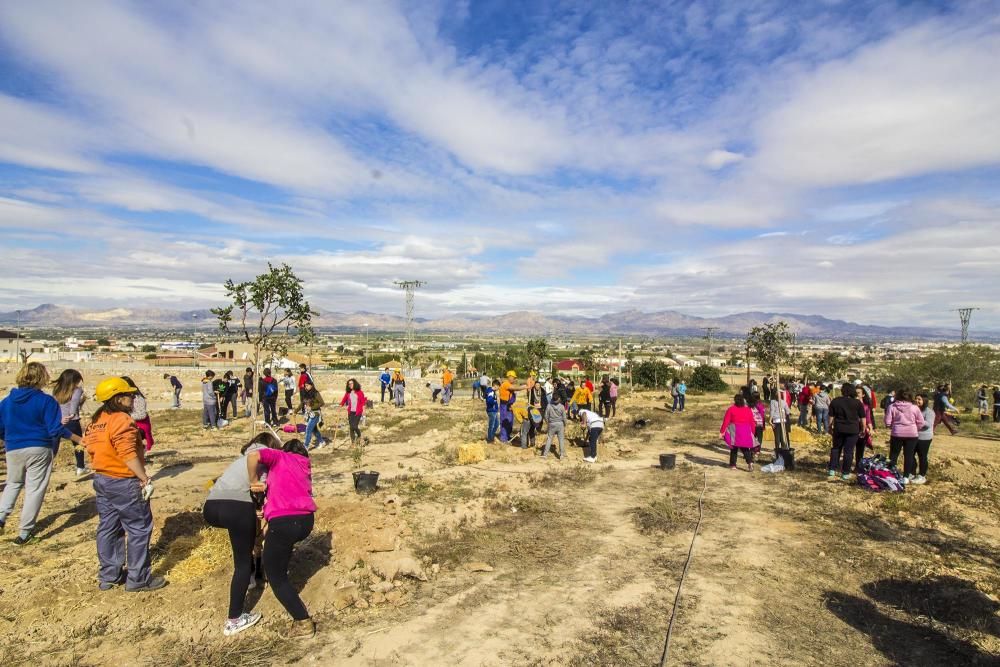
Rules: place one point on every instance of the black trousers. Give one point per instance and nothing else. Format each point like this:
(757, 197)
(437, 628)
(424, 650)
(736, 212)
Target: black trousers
(843, 442)
(227, 400)
(908, 446)
(282, 534)
(354, 420)
(240, 519)
(271, 409)
(747, 454)
(923, 449)
(288, 398)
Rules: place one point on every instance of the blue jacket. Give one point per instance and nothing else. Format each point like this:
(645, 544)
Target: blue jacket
(385, 379)
(491, 400)
(30, 418)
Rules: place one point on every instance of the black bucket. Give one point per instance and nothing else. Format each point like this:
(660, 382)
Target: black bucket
(668, 461)
(365, 481)
(788, 457)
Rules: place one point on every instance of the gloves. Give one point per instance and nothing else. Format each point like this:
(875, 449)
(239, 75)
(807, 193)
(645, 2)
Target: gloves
(147, 491)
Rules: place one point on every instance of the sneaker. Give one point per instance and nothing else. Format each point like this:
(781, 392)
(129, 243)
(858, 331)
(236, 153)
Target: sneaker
(846, 476)
(21, 541)
(304, 628)
(80, 472)
(244, 621)
(831, 473)
(919, 479)
(750, 467)
(155, 584)
(906, 480)
(588, 459)
(732, 467)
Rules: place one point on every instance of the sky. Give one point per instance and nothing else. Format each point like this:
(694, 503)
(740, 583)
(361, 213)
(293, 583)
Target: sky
(830, 158)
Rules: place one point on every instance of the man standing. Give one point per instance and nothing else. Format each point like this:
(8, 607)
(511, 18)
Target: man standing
(384, 379)
(447, 386)
(492, 410)
(681, 394)
(268, 390)
(175, 386)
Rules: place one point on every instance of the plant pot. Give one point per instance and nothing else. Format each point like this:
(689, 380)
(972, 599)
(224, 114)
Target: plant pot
(668, 461)
(788, 457)
(365, 481)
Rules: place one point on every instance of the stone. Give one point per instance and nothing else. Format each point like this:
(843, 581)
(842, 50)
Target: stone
(478, 567)
(382, 587)
(345, 596)
(378, 598)
(625, 449)
(361, 604)
(409, 567)
(394, 597)
(383, 540)
(435, 568)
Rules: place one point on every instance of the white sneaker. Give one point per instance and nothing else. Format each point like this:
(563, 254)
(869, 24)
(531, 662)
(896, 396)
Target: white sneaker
(589, 459)
(237, 625)
(906, 480)
(80, 472)
(919, 479)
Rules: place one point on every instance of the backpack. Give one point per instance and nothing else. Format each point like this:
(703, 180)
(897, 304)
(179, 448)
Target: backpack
(270, 388)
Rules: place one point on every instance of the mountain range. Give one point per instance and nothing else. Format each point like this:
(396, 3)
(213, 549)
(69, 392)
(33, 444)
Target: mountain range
(629, 322)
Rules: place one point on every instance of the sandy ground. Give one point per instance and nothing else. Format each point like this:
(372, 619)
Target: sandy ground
(524, 561)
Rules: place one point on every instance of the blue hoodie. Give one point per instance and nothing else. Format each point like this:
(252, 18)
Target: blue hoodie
(30, 418)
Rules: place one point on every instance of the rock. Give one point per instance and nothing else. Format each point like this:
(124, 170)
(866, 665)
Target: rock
(382, 587)
(345, 596)
(397, 584)
(478, 567)
(378, 598)
(625, 449)
(435, 568)
(383, 540)
(394, 596)
(409, 567)
(361, 604)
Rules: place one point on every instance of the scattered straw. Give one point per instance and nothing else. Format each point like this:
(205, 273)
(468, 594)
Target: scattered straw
(194, 556)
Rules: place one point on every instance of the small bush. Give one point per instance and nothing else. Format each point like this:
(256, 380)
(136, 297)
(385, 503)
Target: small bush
(707, 378)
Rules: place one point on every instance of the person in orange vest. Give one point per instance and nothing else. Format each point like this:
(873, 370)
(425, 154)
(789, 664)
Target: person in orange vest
(507, 396)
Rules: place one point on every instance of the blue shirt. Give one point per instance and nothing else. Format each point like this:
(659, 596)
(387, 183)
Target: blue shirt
(682, 388)
(30, 418)
(385, 378)
(491, 400)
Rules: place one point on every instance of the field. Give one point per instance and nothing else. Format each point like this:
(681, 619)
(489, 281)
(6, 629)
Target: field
(522, 561)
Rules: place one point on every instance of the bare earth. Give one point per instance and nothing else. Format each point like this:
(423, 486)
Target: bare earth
(524, 561)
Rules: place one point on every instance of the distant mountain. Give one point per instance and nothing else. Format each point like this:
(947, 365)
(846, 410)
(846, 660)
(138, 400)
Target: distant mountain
(629, 322)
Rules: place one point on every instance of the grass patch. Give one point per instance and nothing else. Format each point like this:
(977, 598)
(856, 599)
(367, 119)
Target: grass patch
(578, 475)
(629, 635)
(260, 650)
(415, 488)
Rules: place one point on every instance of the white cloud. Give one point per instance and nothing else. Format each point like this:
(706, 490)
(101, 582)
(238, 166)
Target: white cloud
(718, 159)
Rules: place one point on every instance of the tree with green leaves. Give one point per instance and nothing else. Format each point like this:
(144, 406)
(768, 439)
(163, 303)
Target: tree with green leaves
(268, 312)
(769, 344)
(588, 360)
(707, 378)
(831, 366)
(535, 351)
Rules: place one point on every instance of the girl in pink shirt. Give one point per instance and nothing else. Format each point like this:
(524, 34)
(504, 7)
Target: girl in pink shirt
(288, 509)
(737, 430)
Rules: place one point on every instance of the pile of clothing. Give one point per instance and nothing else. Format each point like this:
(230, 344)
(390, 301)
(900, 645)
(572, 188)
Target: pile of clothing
(876, 474)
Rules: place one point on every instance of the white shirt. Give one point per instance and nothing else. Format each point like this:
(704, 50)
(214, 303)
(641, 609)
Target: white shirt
(592, 419)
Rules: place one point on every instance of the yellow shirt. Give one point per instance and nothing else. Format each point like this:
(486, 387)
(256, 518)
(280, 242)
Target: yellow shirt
(506, 389)
(447, 378)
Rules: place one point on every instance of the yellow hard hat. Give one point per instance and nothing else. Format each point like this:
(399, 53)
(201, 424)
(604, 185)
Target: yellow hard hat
(110, 387)
(511, 374)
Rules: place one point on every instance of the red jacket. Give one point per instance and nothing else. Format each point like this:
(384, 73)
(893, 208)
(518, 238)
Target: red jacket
(361, 401)
(303, 377)
(805, 396)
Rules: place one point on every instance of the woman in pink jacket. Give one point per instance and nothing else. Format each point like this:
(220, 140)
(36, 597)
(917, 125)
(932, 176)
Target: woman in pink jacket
(737, 431)
(904, 419)
(354, 399)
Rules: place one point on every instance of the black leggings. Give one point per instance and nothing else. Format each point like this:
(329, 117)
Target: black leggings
(354, 420)
(909, 447)
(282, 534)
(747, 454)
(228, 400)
(240, 519)
(73, 426)
(923, 449)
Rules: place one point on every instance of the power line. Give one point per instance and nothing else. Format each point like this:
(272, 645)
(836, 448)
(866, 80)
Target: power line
(409, 286)
(708, 332)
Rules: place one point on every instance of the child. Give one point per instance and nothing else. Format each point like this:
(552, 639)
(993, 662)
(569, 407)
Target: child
(492, 411)
(175, 387)
(354, 399)
(68, 392)
(555, 417)
(209, 402)
(522, 420)
(289, 384)
(314, 403)
(594, 425)
(140, 414)
(399, 388)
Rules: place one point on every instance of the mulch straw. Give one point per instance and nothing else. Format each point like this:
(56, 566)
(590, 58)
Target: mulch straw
(194, 556)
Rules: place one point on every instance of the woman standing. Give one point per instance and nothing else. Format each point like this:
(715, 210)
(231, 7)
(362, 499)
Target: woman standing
(613, 392)
(289, 383)
(354, 399)
(123, 489)
(399, 388)
(759, 417)
(821, 409)
(30, 420)
(924, 438)
(68, 392)
(230, 505)
(904, 420)
(604, 398)
(288, 510)
(847, 424)
(314, 403)
(737, 430)
(140, 414)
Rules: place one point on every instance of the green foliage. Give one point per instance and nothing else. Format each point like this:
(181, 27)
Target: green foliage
(588, 359)
(103, 342)
(831, 366)
(148, 348)
(535, 351)
(652, 374)
(769, 344)
(965, 367)
(707, 378)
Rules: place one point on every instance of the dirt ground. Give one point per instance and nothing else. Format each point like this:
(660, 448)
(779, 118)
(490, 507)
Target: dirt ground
(524, 561)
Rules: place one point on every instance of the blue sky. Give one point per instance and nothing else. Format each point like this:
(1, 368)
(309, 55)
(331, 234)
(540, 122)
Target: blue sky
(833, 158)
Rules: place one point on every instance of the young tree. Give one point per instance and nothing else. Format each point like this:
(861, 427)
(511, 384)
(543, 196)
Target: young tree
(265, 311)
(831, 366)
(535, 351)
(708, 378)
(769, 345)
